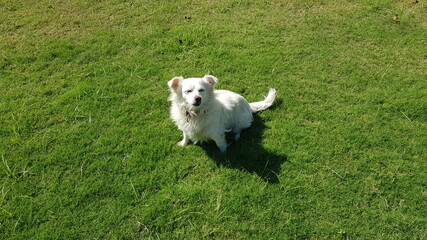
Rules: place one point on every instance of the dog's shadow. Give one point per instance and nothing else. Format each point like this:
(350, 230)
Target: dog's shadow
(247, 153)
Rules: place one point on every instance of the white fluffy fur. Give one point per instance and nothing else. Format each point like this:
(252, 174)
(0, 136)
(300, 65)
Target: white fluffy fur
(203, 113)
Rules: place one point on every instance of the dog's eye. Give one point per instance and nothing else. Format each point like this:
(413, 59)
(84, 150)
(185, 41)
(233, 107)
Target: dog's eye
(201, 90)
(188, 91)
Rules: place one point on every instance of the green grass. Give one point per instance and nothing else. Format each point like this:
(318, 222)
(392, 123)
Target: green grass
(88, 150)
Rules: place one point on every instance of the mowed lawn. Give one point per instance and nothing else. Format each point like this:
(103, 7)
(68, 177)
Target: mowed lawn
(88, 150)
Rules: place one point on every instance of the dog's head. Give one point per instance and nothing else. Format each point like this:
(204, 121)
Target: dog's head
(193, 92)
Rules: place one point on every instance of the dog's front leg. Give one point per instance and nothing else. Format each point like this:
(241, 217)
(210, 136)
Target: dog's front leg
(185, 140)
(220, 142)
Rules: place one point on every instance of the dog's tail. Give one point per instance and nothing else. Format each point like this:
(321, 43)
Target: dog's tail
(262, 105)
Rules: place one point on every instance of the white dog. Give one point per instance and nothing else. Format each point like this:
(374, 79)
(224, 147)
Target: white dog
(203, 113)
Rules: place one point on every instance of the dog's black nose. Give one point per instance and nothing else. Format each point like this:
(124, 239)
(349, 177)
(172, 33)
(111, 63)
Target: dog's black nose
(198, 100)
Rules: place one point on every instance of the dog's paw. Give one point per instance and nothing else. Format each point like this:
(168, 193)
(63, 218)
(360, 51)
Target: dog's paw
(182, 143)
(223, 148)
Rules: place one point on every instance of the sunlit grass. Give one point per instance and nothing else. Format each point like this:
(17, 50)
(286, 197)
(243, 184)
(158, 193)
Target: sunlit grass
(89, 152)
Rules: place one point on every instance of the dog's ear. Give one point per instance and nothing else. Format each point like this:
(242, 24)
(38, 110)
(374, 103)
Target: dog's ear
(175, 82)
(211, 79)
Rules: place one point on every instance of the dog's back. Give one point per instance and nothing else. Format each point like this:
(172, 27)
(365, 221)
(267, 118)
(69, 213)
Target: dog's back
(236, 110)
